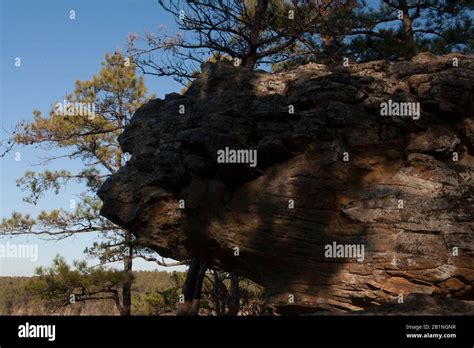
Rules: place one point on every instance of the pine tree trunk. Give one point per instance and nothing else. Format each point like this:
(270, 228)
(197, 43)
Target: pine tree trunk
(250, 60)
(127, 268)
(407, 30)
(193, 287)
(234, 295)
(116, 298)
(218, 304)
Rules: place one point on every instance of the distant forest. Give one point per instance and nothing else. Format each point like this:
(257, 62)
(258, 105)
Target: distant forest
(153, 293)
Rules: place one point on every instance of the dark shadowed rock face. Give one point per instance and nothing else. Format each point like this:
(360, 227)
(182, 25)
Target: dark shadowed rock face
(400, 186)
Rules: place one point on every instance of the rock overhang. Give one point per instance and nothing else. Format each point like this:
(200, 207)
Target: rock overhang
(399, 193)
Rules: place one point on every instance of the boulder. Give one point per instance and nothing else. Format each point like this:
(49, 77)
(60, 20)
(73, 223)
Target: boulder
(345, 208)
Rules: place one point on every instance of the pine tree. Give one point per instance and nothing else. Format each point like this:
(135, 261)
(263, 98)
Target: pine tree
(436, 26)
(61, 285)
(84, 126)
(250, 33)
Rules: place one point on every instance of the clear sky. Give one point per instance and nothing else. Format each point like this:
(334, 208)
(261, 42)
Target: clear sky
(55, 51)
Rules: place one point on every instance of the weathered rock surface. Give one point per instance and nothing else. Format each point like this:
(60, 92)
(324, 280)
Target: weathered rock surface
(406, 191)
(417, 304)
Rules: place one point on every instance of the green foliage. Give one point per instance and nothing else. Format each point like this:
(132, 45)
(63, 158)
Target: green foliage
(56, 284)
(157, 297)
(16, 299)
(61, 223)
(160, 302)
(153, 292)
(116, 92)
(362, 33)
(84, 126)
(217, 297)
(437, 26)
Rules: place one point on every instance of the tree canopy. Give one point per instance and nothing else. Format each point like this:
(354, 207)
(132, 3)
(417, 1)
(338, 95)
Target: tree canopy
(282, 33)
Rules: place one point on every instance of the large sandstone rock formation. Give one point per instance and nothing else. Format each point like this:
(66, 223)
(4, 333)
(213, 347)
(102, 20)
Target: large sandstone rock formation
(403, 187)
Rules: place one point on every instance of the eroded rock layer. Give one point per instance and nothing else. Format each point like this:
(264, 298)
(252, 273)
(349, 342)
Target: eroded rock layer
(400, 186)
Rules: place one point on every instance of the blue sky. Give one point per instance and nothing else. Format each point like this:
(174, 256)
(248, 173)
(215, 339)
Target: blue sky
(56, 51)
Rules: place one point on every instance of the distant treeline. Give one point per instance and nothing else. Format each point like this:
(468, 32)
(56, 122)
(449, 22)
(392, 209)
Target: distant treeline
(16, 299)
(153, 293)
